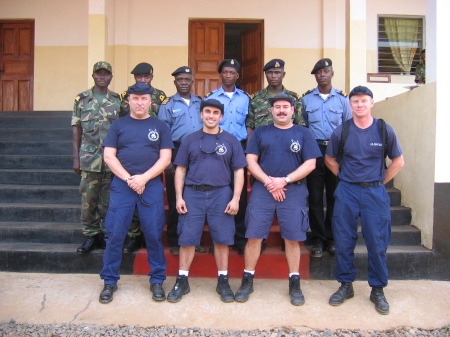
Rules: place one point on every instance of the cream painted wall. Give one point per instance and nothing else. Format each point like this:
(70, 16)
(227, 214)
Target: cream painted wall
(418, 142)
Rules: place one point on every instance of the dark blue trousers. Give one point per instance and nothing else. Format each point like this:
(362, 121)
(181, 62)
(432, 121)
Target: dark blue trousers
(150, 205)
(372, 204)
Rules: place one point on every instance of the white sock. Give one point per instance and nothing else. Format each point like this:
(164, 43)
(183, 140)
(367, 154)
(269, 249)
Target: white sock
(223, 272)
(249, 271)
(290, 274)
(183, 272)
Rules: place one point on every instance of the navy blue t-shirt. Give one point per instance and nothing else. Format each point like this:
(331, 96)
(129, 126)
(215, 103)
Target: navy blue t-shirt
(282, 151)
(210, 168)
(363, 155)
(138, 142)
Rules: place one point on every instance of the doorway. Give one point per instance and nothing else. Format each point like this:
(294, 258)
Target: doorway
(211, 41)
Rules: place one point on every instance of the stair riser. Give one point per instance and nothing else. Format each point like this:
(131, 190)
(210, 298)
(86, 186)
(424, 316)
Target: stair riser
(34, 122)
(39, 214)
(36, 134)
(36, 148)
(41, 196)
(35, 162)
(40, 178)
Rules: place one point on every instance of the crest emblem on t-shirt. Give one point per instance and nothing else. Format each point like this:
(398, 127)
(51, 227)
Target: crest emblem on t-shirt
(221, 149)
(295, 146)
(153, 135)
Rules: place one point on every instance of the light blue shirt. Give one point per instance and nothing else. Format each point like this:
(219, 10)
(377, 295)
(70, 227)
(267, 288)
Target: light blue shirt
(323, 116)
(235, 111)
(182, 119)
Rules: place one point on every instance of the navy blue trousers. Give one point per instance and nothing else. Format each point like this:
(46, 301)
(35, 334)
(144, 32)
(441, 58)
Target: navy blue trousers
(372, 204)
(150, 205)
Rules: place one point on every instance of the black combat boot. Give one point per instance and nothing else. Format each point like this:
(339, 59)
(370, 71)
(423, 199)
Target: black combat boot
(295, 292)
(245, 289)
(180, 288)
(377, 297)
(90, 244)
(158, 292)
(131, 244)
(224, 290)
(106, 295)
(344, 292)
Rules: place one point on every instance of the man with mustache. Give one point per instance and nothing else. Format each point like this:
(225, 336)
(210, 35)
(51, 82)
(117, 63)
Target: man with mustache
(279, 156)
(324, 108)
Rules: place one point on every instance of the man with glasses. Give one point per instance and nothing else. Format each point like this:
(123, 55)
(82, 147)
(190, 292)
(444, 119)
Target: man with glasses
(205, 163)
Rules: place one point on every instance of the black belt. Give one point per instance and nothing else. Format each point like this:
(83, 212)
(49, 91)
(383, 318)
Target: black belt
(298, 182)
(372, 184)
(204, 188)
(322, 142)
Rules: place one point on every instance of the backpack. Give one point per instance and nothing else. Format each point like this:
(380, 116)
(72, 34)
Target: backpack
(344, 136)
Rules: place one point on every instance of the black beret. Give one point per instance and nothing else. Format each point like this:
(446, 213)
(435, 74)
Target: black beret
(323, 63)
(143, 69)
(182, 70)
(211, 102)
(232, 63)
(140, 88)
(282, 97)
(275, 63)
(360, 90)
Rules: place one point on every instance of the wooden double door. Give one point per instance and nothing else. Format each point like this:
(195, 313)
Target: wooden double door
(207, 49)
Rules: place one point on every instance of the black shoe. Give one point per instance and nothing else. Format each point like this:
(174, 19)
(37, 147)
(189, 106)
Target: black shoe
(224, 290)
(331, 249)
(200, 249)
(245, 289)
(316, 250)
(131, 244)
(295, 292)
(101, 240)
(377, 297)
(180, 288)
(90, 244)
(174, 250)
(106, 295)
(158, 292)
(240, 249)
(344, 292)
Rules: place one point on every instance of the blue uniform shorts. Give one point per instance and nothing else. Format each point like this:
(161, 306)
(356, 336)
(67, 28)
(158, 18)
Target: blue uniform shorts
(291, 213)
(206, 206)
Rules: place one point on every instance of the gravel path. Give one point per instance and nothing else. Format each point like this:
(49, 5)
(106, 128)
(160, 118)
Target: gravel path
(71, 330)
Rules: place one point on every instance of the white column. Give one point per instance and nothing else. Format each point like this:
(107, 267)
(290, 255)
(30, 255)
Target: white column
(97, 35)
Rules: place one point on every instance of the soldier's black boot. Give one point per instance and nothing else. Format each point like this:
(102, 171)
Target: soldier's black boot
(377, 297)
(101, 240)
(180, 288)
(224, 290)
(90, 244)
(295, 292)
(131, 244)
(245, 289)
(106, 295)
(344, 292)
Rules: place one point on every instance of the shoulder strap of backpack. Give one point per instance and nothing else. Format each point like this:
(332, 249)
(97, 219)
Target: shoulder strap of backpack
(384, 139)
(344, 136)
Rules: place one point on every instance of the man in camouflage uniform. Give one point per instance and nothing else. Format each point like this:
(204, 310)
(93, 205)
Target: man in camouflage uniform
(260, 109)
(93, 113)
(420, 69)
(143, 73)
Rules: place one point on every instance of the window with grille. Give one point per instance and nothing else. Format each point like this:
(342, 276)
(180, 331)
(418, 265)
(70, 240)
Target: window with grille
(400, 40)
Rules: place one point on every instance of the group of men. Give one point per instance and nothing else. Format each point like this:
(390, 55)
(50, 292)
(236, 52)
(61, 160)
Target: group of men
(294, 147)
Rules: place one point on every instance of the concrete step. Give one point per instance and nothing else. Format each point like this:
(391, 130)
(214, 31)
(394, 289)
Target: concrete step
(395, 195)
(35, 161)
(35, 120)
(39, 177)
(36, 134)
(36, 113)
(40, 194)
(34, 147)
(39, 212)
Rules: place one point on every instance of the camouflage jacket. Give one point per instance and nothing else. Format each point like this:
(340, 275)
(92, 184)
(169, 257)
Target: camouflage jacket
(260, 113)
(94, 126)
(420, 73)
(158, 97)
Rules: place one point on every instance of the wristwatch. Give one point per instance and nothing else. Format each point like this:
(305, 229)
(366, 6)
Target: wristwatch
(287, 179)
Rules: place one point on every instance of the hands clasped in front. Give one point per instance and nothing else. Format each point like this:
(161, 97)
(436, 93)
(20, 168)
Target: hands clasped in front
(275, 186)
(137, 183)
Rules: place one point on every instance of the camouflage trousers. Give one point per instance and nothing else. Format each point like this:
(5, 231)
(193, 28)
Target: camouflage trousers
(135, 227)
(94, 188)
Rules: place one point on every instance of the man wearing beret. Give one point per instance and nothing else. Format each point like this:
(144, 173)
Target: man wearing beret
(137, 149)
(181, 113)
(206, 161)
(324, 108)
(93, 112)
(260, 109)
(279, 156)
(143, 73)
(356, 155)
(235, 102)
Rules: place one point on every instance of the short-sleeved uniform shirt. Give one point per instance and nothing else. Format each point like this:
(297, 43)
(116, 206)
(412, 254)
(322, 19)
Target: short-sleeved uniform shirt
(215, 168)
(95, 119)
(322, 116)
(363, 152)
(158, 97)
(138, 142)
(235, 111)
(260, 110)
(182, 119)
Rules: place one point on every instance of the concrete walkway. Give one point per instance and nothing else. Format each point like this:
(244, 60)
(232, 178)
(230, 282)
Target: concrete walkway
(73, 298)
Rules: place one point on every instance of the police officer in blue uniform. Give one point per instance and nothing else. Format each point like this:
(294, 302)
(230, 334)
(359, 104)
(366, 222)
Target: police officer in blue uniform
(138, 148)
(205, 163)
(181, 113)
(236, 103)
(361, 193)
(323, 108)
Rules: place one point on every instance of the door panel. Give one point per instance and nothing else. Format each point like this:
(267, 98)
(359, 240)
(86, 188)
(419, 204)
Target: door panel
(16, 65)
(251, 69)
